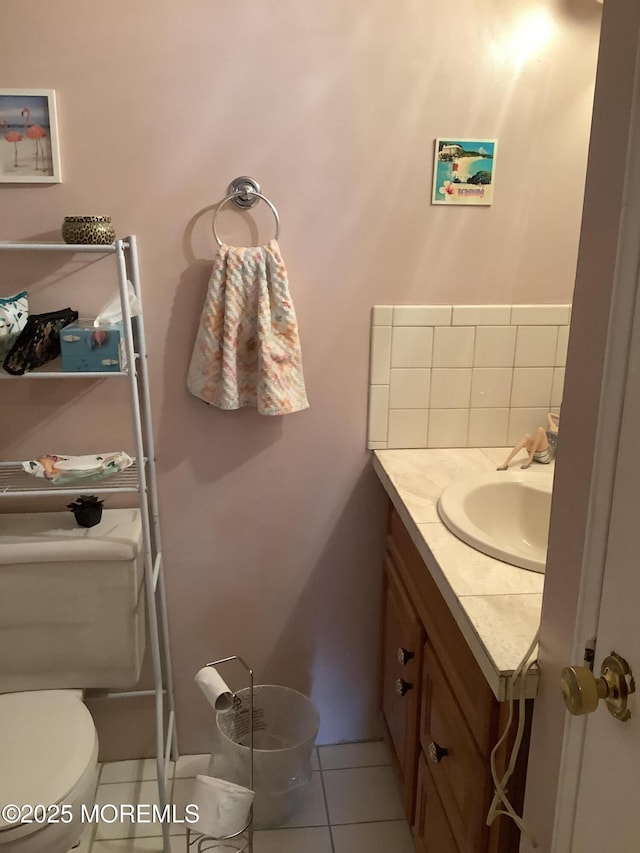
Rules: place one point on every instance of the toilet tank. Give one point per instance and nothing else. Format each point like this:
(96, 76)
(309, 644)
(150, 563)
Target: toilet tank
(71, 601)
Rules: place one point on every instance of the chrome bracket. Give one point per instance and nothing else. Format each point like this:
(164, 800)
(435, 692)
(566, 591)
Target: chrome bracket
(245, 192)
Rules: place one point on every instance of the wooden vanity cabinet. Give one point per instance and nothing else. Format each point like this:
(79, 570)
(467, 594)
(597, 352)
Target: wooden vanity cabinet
(441, 716)
(401, 674)
(431, 830)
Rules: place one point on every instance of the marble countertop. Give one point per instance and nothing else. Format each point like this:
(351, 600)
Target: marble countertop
(496, 606)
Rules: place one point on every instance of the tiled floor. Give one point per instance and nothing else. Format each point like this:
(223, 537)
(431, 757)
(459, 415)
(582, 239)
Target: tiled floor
(352, 805)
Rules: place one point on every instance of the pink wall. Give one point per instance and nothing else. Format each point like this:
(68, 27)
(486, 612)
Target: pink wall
(272, 527)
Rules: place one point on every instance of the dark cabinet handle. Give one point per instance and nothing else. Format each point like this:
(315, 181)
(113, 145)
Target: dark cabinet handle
(437, 752)
(402, 686)
(404, 655)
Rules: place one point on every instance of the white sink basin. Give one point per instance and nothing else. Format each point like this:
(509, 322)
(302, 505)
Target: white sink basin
(503, 514)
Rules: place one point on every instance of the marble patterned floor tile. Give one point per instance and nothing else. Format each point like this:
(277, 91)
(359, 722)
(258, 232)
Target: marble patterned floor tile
(86, 840)
(133, 770)
(343, 755)
(307, 840)
(362, 794)
(192, 765)
(309, 807)
(137, 845)
(315, 761)
(111, 795)
(379, 837)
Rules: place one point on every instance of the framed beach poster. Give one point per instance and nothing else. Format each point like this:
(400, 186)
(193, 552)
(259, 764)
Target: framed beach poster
(464, 171)
(28, 137)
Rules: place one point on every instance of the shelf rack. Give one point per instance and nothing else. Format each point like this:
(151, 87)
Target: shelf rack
(139, 478)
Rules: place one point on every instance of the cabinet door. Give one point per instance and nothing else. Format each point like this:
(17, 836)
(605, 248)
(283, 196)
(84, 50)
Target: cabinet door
(403, 640)
(460, 772)
(469, 684)
(431, 830)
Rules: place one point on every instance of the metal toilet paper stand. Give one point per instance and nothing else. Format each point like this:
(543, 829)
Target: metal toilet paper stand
(241, 841)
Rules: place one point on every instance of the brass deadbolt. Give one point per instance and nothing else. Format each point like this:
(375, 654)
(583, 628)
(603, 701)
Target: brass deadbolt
(582, 690)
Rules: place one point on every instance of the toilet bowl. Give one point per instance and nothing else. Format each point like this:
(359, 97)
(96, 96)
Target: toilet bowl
(49, 749)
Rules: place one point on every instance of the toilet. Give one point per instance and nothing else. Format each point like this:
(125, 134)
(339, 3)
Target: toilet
(71, 617)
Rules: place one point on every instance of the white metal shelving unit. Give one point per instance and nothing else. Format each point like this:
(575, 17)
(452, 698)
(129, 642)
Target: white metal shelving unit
(140, 479)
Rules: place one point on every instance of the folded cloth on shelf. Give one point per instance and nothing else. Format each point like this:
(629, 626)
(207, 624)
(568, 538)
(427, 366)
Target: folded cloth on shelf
(223, 807)
(14, 311)
(247, 351)
(66, 470)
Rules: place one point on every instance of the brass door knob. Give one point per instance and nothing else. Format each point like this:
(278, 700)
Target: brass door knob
(582, 690)
(404, 655)
(402, 686)
(437, 752)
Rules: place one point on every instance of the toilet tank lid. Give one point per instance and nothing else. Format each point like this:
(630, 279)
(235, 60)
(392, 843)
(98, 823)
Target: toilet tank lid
(47, 742)
(49, 537)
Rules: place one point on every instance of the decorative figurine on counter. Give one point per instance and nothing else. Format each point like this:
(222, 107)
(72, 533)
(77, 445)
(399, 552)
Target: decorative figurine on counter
(541, 446)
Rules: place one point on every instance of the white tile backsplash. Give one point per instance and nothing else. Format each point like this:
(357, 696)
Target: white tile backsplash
(481, 315)
(411, 346)
(491, 386)
(531, 387)
(495, 346)
(488, 427)
(448, 427)
(380, 355)
(378, 412)
(409, 388)
(408, 427)
(464, 375)
(382, 315)
(536, 346)
(525, 420)
(453, 346)
(557, 387)
(450, 388)
(422, 315)
(540, 315)
(561, 349)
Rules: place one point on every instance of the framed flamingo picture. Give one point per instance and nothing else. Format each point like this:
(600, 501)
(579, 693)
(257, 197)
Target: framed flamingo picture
(28, 137)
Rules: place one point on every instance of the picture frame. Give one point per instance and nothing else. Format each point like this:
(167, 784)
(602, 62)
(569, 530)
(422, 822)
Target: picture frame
(29, 151)
(464, 171)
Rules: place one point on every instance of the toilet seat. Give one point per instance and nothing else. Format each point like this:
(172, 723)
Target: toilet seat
(48, 744)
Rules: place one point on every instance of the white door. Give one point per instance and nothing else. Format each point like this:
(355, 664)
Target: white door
(607, 816)
(598, 807)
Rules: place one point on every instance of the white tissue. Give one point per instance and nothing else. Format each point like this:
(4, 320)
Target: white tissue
(217, 692)
(223, 807)
(112, 311)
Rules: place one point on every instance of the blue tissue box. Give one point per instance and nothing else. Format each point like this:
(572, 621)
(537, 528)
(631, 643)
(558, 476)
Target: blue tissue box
(86, 348)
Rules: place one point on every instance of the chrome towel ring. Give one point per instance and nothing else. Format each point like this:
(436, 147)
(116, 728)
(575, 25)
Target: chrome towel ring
(245, 193)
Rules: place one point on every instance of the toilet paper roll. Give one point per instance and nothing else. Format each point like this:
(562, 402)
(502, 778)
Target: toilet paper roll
(223, 807)
(218, 694)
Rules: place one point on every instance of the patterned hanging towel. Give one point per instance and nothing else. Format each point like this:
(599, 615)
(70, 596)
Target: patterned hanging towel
(247, 351)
